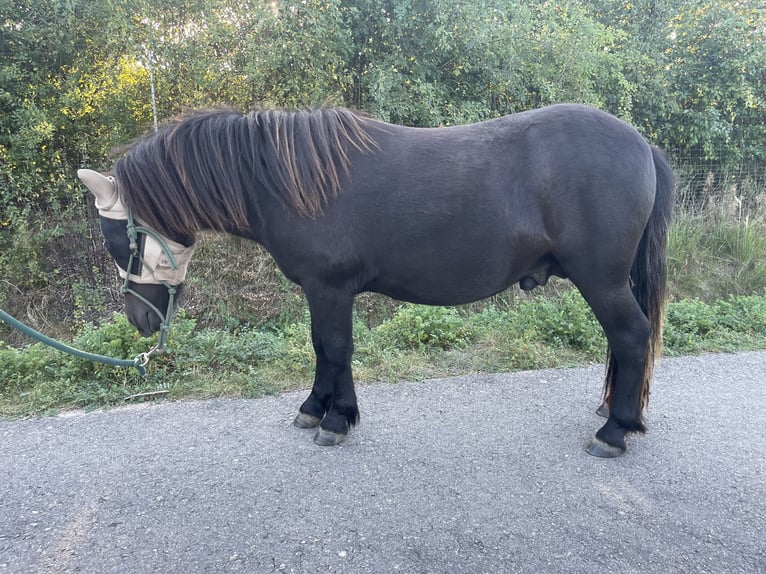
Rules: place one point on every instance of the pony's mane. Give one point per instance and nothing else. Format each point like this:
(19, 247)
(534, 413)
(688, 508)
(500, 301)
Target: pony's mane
(197, 171)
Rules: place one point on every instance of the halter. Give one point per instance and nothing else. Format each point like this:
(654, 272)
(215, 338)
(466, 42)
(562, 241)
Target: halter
(135, 253)
(162, 260)
(140, 361)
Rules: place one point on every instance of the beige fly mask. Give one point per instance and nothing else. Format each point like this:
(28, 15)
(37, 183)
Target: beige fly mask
(156, 265)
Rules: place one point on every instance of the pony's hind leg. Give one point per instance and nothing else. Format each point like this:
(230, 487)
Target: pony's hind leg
(332, 403)
(627, 331)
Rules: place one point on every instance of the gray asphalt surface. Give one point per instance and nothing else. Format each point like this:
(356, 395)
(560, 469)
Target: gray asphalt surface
(485, 473)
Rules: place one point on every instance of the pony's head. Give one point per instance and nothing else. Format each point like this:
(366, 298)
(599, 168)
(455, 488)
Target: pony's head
(152, 266)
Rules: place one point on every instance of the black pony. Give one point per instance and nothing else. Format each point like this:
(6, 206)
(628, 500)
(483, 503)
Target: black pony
(440, 216)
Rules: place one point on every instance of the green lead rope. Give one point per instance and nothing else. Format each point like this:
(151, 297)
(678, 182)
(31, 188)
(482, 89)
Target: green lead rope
(142, 359)
(137, 363)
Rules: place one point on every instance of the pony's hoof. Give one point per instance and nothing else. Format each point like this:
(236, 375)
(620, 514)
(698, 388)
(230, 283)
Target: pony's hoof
(603, 410)
(305, 421)
(328, 438)
(601, 449)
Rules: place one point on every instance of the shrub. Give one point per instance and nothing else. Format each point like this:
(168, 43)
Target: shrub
(247, 361)
(737, 322)
(564, 321)
(687, 322)
(423, 327)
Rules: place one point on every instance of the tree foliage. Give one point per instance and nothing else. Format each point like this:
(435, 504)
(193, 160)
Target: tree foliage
(75, 82)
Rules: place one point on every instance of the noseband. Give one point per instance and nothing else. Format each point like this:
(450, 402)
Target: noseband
(136, 254)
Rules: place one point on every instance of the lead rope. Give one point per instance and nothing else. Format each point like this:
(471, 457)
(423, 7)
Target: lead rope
(138, 363)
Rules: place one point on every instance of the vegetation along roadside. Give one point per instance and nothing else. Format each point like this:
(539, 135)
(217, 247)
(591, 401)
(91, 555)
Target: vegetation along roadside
(415, 342)
(244, 329)
(83, 77)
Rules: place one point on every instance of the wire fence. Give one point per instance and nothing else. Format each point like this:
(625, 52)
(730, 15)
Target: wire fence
(705, 184)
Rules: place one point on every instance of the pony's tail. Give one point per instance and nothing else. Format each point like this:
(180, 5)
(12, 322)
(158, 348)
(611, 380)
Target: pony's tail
(648, 276)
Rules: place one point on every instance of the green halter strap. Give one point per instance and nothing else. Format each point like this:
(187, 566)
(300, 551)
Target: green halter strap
(167, 317)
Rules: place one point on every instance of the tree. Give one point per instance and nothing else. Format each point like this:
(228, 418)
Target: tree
(716, 65)
(75, 84)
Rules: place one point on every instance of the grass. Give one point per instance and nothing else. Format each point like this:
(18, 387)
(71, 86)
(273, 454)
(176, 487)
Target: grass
(250, 333)
(717, 245)
(712, 261)
(417, 342)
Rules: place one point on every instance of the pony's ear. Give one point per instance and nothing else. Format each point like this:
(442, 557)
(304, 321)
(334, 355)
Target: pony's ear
(104, 188)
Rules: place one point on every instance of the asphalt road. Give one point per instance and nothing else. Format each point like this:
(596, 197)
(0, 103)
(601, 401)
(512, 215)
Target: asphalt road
(486, 473)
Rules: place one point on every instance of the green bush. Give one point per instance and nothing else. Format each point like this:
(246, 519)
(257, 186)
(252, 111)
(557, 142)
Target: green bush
(226, 349)
(564, 321)
(687, 323)
(423, 327)
(545, 331)
(738, 322)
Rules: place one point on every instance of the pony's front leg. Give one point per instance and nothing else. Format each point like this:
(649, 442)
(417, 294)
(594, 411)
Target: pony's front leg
(332, 403)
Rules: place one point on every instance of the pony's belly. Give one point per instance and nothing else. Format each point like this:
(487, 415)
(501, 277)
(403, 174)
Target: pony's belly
(433, 297)
(440, 289)
(456, 281)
